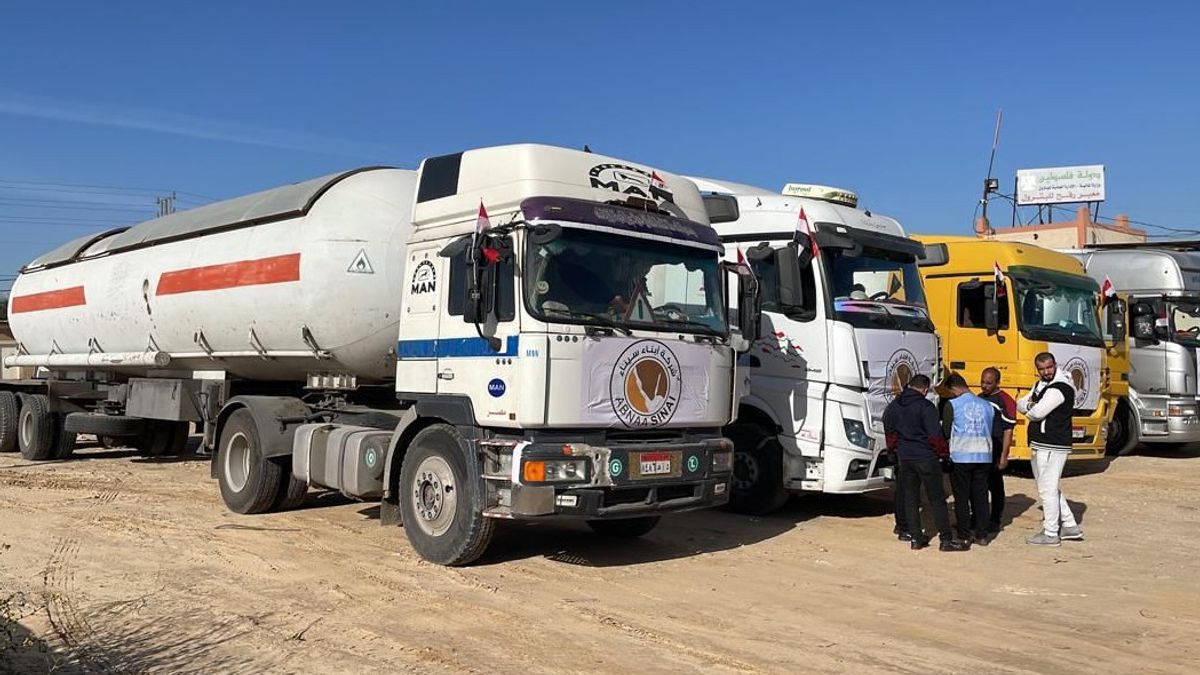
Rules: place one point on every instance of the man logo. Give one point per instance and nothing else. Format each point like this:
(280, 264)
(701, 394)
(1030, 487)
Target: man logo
(901, 368)
(424, 278)
(1077, 369)
(629, 180)
(645, 384)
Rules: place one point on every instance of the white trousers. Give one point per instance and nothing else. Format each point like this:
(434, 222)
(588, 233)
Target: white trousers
(1047, 470)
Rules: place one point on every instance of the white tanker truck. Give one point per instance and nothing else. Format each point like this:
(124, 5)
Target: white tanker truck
(567, 357)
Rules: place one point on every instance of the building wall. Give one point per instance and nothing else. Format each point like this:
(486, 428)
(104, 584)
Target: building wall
(1071, 234)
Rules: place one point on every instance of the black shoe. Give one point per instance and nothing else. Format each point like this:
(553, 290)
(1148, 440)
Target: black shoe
(904, 536)
(983, 540)
(954, 545)
(918, 544)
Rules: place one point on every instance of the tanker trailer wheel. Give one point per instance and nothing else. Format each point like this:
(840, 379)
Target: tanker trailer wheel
(757, 485)
(64, 441)
(9, 412)
(292, 491)
(103, 426)
(441, 498)
(35, 428)
(625, 528)
(249, 482)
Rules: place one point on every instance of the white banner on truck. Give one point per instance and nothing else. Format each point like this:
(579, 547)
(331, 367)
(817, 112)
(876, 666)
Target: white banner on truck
(1060, 185)
(890, 359)
(1082, 366)
(645, 383)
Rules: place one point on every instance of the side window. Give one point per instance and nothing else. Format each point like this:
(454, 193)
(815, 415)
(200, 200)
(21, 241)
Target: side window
(506, 306)
(971, 298)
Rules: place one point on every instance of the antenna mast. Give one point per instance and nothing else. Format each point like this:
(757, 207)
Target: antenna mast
(990, 184)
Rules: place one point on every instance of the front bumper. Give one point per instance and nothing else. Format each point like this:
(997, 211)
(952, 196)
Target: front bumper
(699, 476)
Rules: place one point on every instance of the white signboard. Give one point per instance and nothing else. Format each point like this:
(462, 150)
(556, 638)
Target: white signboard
(1060, 185)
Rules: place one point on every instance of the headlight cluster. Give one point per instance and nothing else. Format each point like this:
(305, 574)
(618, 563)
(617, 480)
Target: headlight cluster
(722, 462)
(554, 470)
(856, 433)
(1181, 410)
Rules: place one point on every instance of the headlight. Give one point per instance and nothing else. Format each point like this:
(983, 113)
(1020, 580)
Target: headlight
(856, 433)
(1181, 410)
(722, 462)
(554, 470)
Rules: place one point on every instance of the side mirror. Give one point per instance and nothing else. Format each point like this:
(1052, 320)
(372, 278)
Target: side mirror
(1143, 322)
(991, 309)
(791, 289)
(1116, 319)
(749, 308)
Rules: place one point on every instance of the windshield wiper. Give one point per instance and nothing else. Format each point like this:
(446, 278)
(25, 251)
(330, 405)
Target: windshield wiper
(595, 319)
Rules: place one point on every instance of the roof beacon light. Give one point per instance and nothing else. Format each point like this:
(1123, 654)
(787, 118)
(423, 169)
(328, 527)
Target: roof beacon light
(822, 192)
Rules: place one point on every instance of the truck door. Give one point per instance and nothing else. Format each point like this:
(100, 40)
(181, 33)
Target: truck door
(420, 319)
(970, 346)
(467, 365)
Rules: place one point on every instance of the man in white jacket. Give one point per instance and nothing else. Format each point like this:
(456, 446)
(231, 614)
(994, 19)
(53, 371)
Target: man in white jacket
(1049, 406)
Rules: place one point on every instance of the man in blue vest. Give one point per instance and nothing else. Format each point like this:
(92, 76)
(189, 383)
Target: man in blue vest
(1049, 406)
(968, 423)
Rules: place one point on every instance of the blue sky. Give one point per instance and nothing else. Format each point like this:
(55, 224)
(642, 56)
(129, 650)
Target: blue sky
(893, 99)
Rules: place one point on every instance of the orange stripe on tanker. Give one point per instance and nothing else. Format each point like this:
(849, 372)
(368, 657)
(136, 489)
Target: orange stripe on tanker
(274, 270)
(35, 302)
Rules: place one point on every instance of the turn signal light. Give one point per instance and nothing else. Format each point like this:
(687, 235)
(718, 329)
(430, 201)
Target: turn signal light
(534, 472)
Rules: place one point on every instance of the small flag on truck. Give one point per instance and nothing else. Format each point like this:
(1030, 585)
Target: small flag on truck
(743, 267)
(1108, 292)
(803, 226)
(999, 276)
(482, 224)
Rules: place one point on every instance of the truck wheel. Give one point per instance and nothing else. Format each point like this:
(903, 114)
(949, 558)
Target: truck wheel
(441, 499)
(625, 528)
(249, 482)
(35, 428)
(757, 485)
(64, 441)
(292, 491)
(9, 412)
(102, 425)
(1122, 432)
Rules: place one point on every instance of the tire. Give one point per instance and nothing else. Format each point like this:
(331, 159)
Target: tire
(178, 435)
(111, 441)
(64, 441)
(249, 483)
(625, 528)
(9, 412)
(757, 484)
(35, 428)
(1122, 432)
(441, 499)
(155, 439)
(100, 424)
(292, 491)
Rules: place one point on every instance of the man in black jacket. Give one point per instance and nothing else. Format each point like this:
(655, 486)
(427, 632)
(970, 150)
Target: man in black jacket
(914, 433)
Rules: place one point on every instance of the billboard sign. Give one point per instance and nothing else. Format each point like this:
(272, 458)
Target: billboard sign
(1060, 185)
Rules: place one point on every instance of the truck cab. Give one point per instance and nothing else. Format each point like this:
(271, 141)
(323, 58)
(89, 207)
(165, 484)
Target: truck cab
(1161, 284)
(844, 328)
(1045, 303)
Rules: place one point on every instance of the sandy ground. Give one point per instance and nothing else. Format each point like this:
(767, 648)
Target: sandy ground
(114, 563)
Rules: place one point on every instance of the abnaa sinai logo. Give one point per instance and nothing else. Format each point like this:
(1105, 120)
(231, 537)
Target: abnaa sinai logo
(645, 384)
(1077, 368)
(900, 370)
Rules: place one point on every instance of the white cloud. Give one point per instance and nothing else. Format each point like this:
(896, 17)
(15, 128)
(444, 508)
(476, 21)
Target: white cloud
(179, 124)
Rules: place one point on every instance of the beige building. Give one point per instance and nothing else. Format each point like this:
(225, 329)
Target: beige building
(1077, 233)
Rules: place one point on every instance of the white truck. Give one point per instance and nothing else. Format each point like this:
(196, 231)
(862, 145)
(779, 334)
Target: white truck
(845, 327)
(1161, 284)
(516, 332)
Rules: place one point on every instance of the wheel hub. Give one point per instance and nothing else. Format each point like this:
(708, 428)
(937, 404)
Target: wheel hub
(434, 497)
(745, 471)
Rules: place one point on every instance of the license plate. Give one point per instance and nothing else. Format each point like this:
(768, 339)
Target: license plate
(657, 464)
(1077, 432)
(889, 473)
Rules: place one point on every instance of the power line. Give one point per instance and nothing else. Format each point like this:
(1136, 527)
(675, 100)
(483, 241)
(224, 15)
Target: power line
(41, 204)
(104, 187)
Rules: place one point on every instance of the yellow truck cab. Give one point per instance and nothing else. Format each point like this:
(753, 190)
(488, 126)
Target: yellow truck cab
(1047, 304)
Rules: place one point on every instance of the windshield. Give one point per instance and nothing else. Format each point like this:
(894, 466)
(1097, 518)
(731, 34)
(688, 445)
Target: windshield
(876, 288)
(1185, 321)
(1059, 313)
(611, 280)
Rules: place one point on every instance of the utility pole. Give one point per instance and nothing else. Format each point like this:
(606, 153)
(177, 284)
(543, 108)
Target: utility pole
(166, 205)
(982, 226)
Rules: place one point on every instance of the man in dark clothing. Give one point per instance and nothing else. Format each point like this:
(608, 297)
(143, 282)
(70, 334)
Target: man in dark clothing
(914, 433)
(1002, 434)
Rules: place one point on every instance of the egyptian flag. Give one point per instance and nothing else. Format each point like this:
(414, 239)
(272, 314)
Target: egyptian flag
(483, 224)
(803, 226)
(999, 276)
(743, 267)
(659, 189)
(1108, 292)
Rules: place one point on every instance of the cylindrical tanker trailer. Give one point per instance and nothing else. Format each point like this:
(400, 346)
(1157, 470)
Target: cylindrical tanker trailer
(512, 332)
